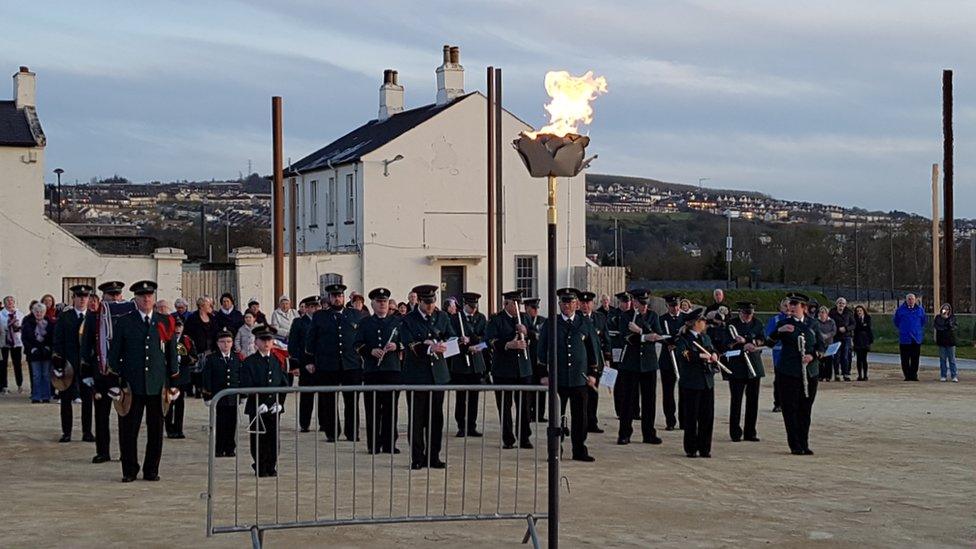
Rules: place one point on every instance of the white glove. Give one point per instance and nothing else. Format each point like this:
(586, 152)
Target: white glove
(89, 381)
(206, 403)
(263, 409)
(115, 393)
(58, 372)
(174, 393)
(276, 408)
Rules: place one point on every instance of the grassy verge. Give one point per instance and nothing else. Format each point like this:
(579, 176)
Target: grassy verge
(928, 349)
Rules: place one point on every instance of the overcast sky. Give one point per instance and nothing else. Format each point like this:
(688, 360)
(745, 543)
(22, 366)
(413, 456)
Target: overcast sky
(838, 102)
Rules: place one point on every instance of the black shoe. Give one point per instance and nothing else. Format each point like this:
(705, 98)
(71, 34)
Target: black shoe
(808, 452)
(508, 445)
(437, 464)
(735, 439)
(35, 401)
(847, 378)
(690, 454)
(836, 378)
(595, 430)
(752, 439)
(88, 437)
(585, 458)
(460, 434)
(417, 465)
(652, 440)
(65, 438)
(777, 409)
(230, 454)
(796, 452)
(669, 428)
(263, 474)
(126, 478)
(330, 439)
(304, 430)
(151, 478)
(474, 433)
(170, 435)
(357, 439)
(101, 459)
(706, 455)
(623, 441)
(565, 432)
(526, 445)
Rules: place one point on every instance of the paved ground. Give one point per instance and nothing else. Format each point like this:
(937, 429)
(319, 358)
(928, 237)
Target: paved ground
(894, 467)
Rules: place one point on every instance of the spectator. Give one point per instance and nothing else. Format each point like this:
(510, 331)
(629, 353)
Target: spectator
(162, 307)
(394, 308)
(182, 311)
(255, 307)
(411, 301)
(403, 308)
(52, 310)
(719, 296)
(282, 317)
(909, 319)
(604, 304)
(828, 330)
(202, 328)
(685, 305)
(844, 318)
(228, 316)
(945, 337)
(11, 343)
(358, 302)
(244, 340)
(38, 337)
(770, 328)
(863, 338)
(94, 302)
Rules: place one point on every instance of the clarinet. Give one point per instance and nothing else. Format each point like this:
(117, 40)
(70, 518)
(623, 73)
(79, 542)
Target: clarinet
(674, 361)
(467, 359)
(518, 321)
(801, 342)
(735, 335)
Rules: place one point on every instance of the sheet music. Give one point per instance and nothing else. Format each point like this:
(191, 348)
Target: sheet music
(609, 377)
(833, 348)
(452, 347)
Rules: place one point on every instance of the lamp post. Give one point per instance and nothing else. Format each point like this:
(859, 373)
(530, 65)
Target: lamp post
(702, 180)
(59, 171)
(728, 249)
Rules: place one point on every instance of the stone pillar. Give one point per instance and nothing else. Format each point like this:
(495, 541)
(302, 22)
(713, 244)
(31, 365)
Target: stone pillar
(169, 272)
(251, 265)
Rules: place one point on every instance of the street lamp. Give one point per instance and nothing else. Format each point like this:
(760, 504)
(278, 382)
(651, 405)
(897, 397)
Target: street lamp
(728, 249)
(701, 180)
(59, 171)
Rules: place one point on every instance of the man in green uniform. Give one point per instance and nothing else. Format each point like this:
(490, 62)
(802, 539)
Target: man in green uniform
(303, 362)
(748, 337)
(68, 337)
(671, 324)
(378, 342)
(222, 370)
(262, 369)
(600, 339)
(575, 364)
(468, 367)
(508, 335)
(143, 355)
(696, 360)
(797, 360)
(424, 332)
(617, 330)
(637, 379)
(533, 323)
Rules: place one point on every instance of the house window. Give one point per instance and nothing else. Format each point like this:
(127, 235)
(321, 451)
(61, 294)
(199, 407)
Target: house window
(350, 199)
(328, 278)
(331, 202)
(526, 275)
(313, 204)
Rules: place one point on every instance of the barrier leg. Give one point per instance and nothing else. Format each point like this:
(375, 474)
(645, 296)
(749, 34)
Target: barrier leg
(257, 537)
(530, 532)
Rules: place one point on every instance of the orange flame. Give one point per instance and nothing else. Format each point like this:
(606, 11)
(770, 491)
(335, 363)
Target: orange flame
(570, 103)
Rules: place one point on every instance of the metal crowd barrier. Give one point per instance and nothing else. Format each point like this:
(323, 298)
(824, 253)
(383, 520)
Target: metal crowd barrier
(319, 483)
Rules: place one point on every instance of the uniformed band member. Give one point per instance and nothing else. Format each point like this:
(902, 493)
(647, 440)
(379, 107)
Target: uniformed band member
(617, 330)
(304, 362)
(423, 332)
(68, 337)
(637, 378)
(533, 323)
(671, 324)
(697, 384)
(378, 342)
(187, 359)
(575, 364)
(468, 367)
(143, 356)
(262, 369)
(798, 358)
(222, 370)
(598, 322)
(332, 343)
(511, 366)
(747, 370)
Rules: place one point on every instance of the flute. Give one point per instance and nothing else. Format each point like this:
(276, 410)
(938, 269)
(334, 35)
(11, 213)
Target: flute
(674, 360)
(801, 342)
(735, 335)
(518, 320)
(467, 359)
(721, 366)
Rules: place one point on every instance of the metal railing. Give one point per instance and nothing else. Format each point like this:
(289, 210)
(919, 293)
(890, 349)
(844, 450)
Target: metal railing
(320, 483)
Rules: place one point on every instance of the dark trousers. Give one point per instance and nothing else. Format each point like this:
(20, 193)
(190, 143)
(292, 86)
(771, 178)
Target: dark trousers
(776, 400)
(174, 416)
(264, 444)
(327, 409)
(466, 402)
(827, 368)
(537, 406)
(16, 357)
(909, 360)
(381, 412)
(698, 418)
(797, 409)
(751, 389)
(668, 404)
(576, 397)
(862, 363)
(129, 426)
(103, 433)
(226, 428)
(426, 416)
(504, 401)
(592, 404)
(306, 401)
(843, 357)
(67, 414)
(640, 386)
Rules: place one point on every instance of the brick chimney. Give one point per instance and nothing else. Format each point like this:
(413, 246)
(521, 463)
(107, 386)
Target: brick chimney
(24, 87)
(391, 95)
(450, 76)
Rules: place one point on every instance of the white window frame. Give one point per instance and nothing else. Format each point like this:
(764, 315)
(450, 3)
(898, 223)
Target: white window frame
(527, 275)
(331, 202)
(350, 198)
(313, 203)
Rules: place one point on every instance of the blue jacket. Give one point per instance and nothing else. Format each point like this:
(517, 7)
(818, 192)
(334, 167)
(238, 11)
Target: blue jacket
(910, 322)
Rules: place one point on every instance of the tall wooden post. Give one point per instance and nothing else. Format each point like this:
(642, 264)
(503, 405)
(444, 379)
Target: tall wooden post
(499, 196)
(277, 200)
(948, 173)
(936, 278)
(493, 305)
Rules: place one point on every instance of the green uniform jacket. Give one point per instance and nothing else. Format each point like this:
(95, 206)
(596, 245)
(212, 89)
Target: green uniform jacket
(754, 333)
(639, 356)
(219, 374)
(790, 356)
(419, 366)
(617, 331)
(331, 340)
(474, 328)
(69, 333)
(575, 358)
(141, 359)
(508, 363)
(534, 326)
(696, 373)
(262, 371)
(600, 339)
(374, 333)
(670, 325)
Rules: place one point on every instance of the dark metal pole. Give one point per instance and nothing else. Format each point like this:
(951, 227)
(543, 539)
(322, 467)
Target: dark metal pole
(492, 303)
(499, 192)
(554, 431)
(293, 241)
(277, 199)
(972, 272)
(203, 227)
(948, 232)
(59, 171)
(857, 264)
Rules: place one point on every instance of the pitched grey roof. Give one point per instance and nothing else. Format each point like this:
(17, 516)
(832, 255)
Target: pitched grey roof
(369, 137)
(15, 129)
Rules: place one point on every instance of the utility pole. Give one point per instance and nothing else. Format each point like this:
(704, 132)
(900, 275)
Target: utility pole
(972, 272)
(947, 180)
(59, 171)
(936, 275)
(857, 263)
(728, 250)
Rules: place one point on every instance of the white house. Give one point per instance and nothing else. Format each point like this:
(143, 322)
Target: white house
(36, 255)
(402, 200)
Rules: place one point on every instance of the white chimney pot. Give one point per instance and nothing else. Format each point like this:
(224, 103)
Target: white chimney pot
(391, 95)
(24, 88)
(450, 76)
